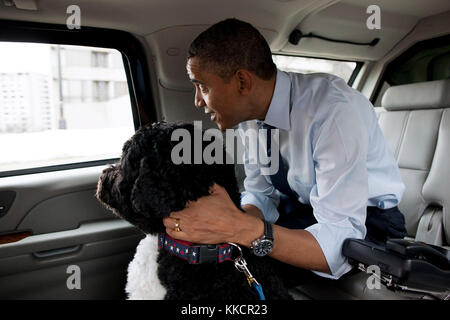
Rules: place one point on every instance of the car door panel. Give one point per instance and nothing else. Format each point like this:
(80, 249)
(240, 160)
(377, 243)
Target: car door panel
(67, 226)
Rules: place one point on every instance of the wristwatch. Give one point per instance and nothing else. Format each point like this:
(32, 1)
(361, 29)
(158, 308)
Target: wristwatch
(263, 246)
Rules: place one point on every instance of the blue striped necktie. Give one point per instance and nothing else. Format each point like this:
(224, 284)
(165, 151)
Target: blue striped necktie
(293, 213)
(279, 179)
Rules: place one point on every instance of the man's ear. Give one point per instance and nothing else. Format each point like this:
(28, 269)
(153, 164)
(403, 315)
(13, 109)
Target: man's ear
(245, 81)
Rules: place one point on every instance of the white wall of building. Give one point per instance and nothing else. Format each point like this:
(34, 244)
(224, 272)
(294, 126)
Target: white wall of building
(25, 102)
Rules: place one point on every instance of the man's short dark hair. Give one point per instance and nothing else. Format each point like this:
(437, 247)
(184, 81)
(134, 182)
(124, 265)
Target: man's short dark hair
(230, 45)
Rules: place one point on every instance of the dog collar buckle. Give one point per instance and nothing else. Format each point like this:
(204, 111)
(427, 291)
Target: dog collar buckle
(195, 253)
(205, 253)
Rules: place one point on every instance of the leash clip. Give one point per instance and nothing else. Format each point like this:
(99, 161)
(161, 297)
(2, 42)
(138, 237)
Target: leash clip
(241, 265)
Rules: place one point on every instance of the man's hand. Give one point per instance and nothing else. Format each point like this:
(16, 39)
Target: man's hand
(214, 219)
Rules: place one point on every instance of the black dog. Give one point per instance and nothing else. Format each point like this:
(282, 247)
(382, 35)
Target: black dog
(147, 186)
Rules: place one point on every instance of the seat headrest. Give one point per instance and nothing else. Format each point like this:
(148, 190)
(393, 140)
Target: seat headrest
(421, 95)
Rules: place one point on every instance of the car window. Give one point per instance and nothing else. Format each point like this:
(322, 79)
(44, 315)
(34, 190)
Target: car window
(427, 60)
(342, 69)
(61, 104)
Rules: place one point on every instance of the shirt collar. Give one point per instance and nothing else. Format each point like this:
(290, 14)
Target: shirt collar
(279, 108)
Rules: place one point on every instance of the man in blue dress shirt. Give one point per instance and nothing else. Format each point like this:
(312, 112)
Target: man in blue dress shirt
(336, 159)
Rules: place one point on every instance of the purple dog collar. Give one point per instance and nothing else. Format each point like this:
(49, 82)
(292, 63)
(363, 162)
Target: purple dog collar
(195, 253)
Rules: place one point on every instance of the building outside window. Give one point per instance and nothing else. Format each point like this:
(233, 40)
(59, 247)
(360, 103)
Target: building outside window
(100, 90)
(99, 59)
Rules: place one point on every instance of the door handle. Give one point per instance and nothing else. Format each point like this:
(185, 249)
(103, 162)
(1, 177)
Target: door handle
(56, 252)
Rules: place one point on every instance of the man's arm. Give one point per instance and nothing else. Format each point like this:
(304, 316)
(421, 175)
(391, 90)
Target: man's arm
(287, 243)
(215, 219)
(253, 210)
(339, 197)
(298, 248)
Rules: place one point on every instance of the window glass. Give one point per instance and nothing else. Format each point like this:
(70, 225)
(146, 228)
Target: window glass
(342, 69)
(427, 60)
(61, 104)
(418, 65)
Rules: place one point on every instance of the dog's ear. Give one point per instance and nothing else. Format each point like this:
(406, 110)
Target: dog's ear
(108, 192)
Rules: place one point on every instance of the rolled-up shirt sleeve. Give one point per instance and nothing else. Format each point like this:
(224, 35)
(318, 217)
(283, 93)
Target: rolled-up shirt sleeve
(339, 197)
(262, 195)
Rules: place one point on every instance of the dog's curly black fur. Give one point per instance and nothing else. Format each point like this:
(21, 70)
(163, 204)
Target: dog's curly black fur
(146, 186)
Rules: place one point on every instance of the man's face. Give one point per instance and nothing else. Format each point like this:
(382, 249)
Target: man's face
(219, 98)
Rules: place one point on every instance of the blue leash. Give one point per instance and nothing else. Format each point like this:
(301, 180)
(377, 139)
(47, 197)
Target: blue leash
(258, 288)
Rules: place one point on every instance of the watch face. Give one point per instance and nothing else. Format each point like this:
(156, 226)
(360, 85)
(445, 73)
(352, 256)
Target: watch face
(263, 247)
